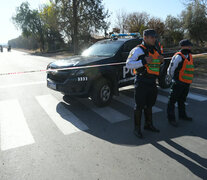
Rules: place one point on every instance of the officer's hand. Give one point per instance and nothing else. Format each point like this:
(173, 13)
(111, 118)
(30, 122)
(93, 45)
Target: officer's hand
(161, 58)
(148, 59)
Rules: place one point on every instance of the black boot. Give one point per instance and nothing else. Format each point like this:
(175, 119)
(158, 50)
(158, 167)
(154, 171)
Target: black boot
(148, 120)
(137, 122)
(182, 112)
(171, 114)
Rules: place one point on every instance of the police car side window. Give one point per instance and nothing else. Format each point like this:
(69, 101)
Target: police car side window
(128, 46)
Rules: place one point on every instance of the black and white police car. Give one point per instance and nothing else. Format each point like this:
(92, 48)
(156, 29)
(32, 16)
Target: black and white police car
(100, 71)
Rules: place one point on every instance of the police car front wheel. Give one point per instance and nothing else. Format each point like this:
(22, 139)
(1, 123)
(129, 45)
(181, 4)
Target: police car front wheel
(101, 93)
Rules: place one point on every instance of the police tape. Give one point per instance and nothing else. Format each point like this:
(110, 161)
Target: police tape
(60, 69)
(63, 69)
(23, 72)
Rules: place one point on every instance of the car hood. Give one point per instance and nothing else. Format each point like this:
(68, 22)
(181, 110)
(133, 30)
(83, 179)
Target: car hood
(76, 61)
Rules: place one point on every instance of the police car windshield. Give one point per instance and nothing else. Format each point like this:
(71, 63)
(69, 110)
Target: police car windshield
(103, 48)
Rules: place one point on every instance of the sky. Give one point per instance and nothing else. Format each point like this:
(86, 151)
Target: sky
(157, 8)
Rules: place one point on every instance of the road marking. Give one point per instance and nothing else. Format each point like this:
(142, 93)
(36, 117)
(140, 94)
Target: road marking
(64, 119)
(14, 129)
(197, 97)
(130, 102)
(164, 99)
(165, 90)
(125, 100)
(194, 96)
(155, 109)
(22, 84)
(108, 113)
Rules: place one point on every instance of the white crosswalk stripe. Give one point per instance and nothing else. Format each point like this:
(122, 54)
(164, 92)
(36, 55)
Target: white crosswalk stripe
(64, 119)
(197, 97)
(125, 100)
(165, 99)
(108, 113)
(130, 102)
(162, 99)
(14, 129)
(155, 109)
(164, 90)
(193, 96)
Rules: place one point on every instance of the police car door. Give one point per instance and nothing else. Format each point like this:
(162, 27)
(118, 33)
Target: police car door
(126, 75)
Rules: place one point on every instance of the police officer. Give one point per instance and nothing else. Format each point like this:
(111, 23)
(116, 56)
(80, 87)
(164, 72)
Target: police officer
(146, 60)
(9, 48)
(181, 70)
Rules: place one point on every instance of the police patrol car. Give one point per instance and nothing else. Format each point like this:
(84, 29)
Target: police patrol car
(100, 71)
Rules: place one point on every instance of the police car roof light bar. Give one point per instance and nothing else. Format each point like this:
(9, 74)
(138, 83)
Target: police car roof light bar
(126, 34)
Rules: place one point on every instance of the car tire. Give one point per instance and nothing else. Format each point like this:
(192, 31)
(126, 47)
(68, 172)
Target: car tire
(164, 79)
(101, 93)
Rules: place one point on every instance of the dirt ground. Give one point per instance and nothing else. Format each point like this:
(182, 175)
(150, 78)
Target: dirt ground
(55, 55)
(200, 78)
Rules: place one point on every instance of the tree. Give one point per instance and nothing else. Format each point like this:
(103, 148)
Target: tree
(49, 16)
(81, 18)
(157, 25)
(137, 22)
(203, 2)
(194, 20)
(121, 18)
(29, 21)
(173, 30)
(24, 42)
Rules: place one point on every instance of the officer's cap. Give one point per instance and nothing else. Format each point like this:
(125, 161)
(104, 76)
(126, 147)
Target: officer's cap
(149, 32)
(185, 42)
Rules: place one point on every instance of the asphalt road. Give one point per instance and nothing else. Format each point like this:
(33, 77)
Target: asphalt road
(46, 136)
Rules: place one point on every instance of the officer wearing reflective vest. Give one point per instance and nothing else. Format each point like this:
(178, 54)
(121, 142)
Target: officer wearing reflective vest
(146, 61)
(181, 70)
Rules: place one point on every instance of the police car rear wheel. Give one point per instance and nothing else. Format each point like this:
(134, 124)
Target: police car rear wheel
(165, 81)
(101, 93)
(164, 78)
(168, 80)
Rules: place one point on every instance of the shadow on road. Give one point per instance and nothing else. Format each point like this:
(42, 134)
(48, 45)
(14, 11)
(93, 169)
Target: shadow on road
(193, 156)
(193, 167)
(121, 133)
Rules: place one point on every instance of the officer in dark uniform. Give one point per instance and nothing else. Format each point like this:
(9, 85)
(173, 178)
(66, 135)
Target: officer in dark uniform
(9, 48)
(181, 70)
(145, 60)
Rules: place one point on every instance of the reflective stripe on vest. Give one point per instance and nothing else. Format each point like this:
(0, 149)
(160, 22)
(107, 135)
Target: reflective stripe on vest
(187, 71)
(154, 66)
